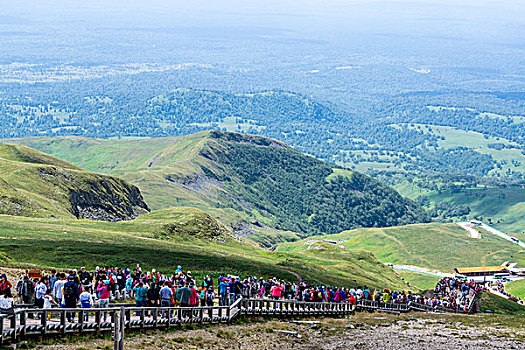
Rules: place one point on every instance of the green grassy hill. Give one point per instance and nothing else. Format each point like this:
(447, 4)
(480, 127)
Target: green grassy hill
(24, 154)
(516, 288)
(37, 185)
(500, 305)
(438, 246)
(419, 280)
(241, 179)
(178, 236)
(502, 207)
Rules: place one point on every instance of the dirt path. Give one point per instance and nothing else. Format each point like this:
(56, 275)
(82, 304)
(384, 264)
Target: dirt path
(472, 232)
(298, 276)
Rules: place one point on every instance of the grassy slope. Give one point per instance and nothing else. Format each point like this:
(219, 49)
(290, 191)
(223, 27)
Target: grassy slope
(501, 305)
(440, 246)
(170, 237)
(516, 288)
(37, 185)
(506, 205)
(24, 154)
(419, 280)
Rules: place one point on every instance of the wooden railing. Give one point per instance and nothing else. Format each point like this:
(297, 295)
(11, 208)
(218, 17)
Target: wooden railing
(23, 323)
(268, 307)
(364, 304)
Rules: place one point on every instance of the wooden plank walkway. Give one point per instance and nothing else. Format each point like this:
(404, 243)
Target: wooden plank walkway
(26, 323)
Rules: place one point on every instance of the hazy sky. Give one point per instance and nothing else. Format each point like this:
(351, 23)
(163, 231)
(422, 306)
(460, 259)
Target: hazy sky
(267, 12)
(396, 25)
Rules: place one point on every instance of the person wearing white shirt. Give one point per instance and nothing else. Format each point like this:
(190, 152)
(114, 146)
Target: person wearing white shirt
(57, 288)
(40, 292)
(86, 301)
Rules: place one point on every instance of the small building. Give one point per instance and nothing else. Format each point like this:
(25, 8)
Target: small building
(481, 271)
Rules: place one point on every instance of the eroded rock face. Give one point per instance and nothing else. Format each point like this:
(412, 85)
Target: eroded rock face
(114, 201)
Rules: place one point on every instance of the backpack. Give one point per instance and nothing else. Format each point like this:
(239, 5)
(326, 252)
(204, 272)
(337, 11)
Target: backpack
(30, 288)
(70, 291)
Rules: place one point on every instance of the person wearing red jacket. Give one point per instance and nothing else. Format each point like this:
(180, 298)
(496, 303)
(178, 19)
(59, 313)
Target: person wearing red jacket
(351, 299)
(5, 286)
(194, 298)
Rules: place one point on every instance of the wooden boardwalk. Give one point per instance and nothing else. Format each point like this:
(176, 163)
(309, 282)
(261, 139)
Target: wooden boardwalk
(25, 323)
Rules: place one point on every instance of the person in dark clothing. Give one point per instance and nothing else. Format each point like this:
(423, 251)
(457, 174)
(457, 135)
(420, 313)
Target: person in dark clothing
(208, 282)
(27, 290)
(84, 277)
(153, 296)
(121, 281)
(185, 293)
(237, 288)
(71, 294)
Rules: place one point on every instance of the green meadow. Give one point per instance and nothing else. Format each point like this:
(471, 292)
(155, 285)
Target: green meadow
(437, 246)
(177, 236)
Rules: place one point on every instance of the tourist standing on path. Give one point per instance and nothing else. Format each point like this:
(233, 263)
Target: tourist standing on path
(58, 288)
(165, 295)
(223, 292)
(27, 290)
(5, 286)
(70, 292)
(86, 301)
(103, 299)
(140, 296)
(276, 291)
(40, 292)
(185, 295)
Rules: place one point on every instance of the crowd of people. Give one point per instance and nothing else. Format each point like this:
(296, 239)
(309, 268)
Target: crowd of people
(500, 288)
(151, 288)
(452, 293)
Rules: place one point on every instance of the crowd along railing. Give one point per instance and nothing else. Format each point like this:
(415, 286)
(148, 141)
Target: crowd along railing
(23, 323)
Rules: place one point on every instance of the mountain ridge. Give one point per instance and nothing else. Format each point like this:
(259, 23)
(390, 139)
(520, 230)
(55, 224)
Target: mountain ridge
(241, 179)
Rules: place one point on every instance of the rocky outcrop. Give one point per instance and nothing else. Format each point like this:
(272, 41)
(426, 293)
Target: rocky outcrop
(113, 200)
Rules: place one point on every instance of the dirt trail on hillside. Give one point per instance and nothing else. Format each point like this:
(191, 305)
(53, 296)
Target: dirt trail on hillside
(298, 276)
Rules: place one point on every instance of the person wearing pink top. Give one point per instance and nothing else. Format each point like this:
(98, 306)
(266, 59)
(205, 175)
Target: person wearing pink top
(103, 296)
(276, 292)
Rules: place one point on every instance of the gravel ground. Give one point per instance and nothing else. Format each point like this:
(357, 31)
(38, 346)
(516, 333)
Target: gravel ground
(362, 331)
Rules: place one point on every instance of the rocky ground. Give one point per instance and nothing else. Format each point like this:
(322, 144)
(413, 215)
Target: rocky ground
(361, 331)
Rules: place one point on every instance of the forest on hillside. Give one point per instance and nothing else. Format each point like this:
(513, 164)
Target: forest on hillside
(303, 194)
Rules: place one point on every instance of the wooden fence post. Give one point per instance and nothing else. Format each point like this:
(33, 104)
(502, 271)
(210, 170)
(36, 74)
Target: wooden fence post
(116, 332)
(97, 320)
(13, 326)
(44, 322)
(122, 327)
(63, 321)
(1, 330)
